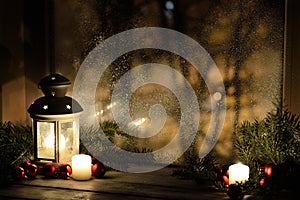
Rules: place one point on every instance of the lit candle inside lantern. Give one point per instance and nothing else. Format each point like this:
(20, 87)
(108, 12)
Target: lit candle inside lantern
(238, 173)
(49, 141)
(81, 167)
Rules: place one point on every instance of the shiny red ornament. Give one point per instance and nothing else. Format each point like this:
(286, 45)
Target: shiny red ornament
(64, 170)
(225, 179)
(224, 170)
(25, 164)
(98, 168)
(268, 170)
(31, 171)
(49, 170)
(93, 165)
(19, 173)
(262, 182)
(93, 168)
(225, 174)
(95, 160)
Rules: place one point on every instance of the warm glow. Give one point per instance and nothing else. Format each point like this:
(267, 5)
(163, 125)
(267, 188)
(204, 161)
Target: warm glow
(238, 173)
(81, 167)
(139, 121)
(49, 141)
(110, 105)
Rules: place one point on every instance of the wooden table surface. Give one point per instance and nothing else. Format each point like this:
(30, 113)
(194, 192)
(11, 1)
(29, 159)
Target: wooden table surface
(115, 185)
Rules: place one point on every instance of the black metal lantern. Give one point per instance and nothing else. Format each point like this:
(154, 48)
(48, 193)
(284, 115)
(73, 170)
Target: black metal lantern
(55, 121)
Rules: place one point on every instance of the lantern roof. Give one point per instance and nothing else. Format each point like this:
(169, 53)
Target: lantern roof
(54, 106)
(54, 87)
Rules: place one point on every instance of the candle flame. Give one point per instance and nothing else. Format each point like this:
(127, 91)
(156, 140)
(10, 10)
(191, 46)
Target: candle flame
(49, 141)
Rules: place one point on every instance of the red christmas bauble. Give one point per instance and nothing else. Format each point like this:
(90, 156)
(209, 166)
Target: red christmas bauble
(262, 182)
(64, 170)
(224, 170)
(268, 170)
(19, 173)
(93, 168)
(25, 164)
(31, 171)
(49, 170)
(95, 160)
(94, 165)
(98, 170)
(224, 174)
(225, 179)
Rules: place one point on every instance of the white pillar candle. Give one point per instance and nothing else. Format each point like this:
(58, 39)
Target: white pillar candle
(238, 173)
(81, 167)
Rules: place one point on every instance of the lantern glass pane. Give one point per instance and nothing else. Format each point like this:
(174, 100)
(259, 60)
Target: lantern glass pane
(68, 141)
(46, 140)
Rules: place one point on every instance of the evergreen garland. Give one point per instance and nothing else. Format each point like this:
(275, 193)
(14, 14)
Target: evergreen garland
(16, 145)
(199, 169)
(275, 140)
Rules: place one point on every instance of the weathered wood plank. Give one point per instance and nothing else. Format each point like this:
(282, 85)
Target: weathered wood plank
(115, 185)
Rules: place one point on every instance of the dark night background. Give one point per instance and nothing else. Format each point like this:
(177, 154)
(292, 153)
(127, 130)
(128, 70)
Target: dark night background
(254, 43)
